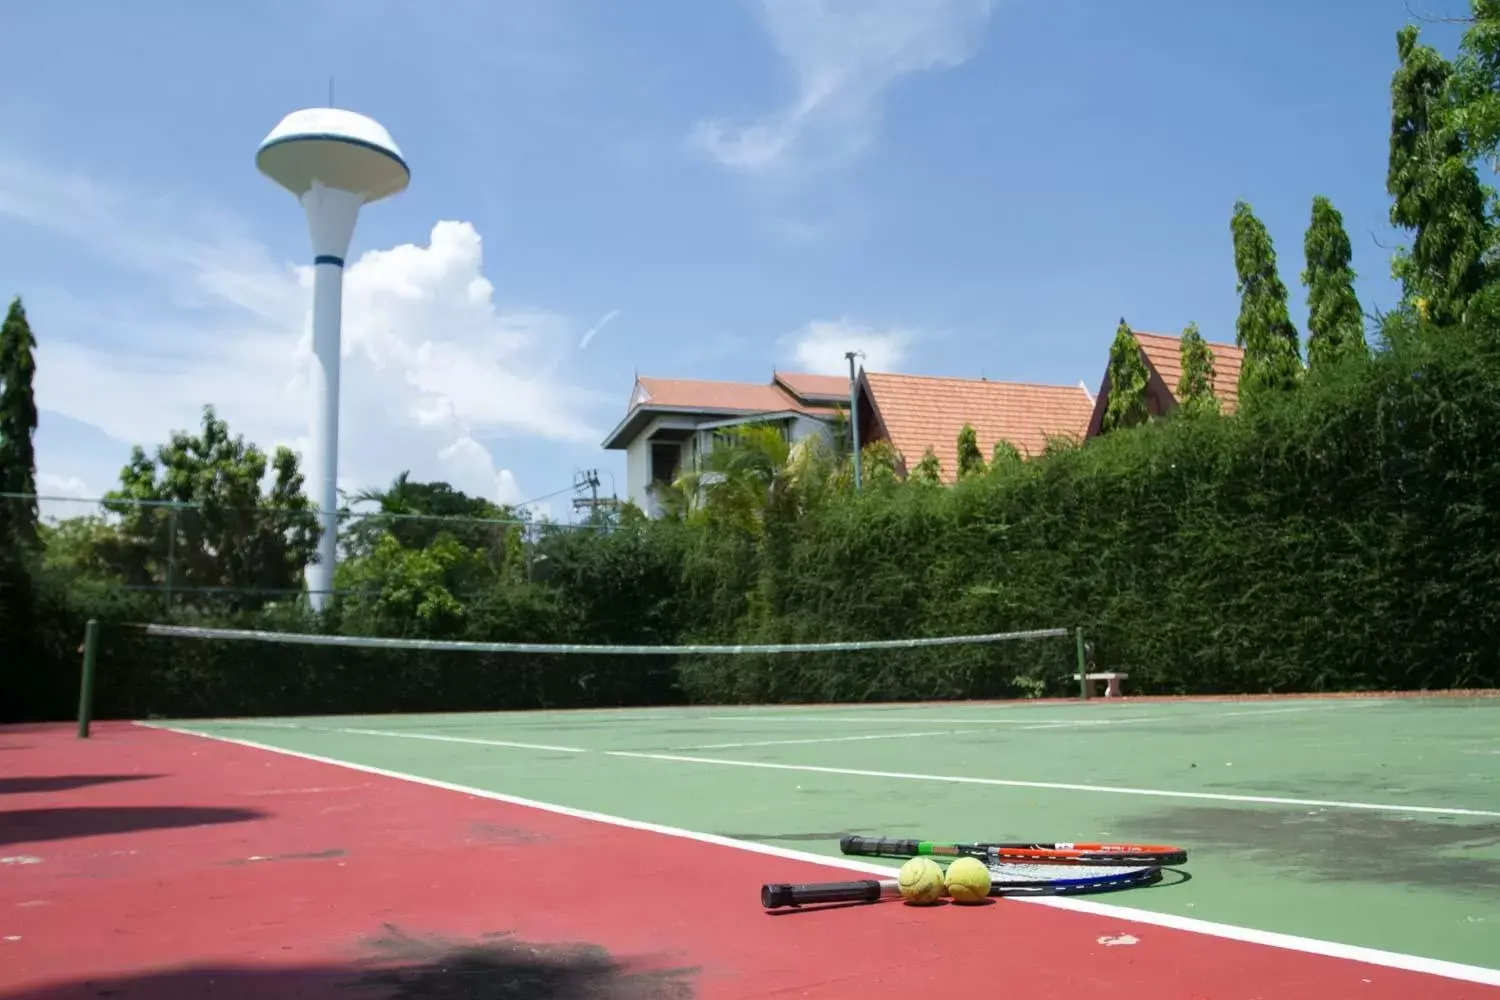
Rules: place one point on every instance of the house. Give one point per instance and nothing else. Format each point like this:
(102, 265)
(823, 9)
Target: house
(671, 423)
(1162, 354)
(915, 412)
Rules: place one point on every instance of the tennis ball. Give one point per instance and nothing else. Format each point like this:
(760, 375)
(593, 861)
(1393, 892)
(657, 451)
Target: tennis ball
(967, 879)
(921, 881)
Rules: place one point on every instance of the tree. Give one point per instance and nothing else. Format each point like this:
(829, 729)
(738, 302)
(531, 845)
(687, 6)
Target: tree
(18, 515)
(928, 471)
(194, 517)
(1436, 193)
(750, 470)
(403, 591)
(970, 458)
(1335, 324)
(1475, 83)
(416, 513)
(1128, 380)
(1004, 455)
(1273, 359)
(1195, 388)
(879, 461)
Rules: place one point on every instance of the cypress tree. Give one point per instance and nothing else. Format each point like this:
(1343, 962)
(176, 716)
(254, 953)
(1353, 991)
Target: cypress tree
(1127, 381)
(1335, 325)
(1436, 193)
(928, 470)
(1195, 389)
(1273, 359)
(970, 458)
(17, 425)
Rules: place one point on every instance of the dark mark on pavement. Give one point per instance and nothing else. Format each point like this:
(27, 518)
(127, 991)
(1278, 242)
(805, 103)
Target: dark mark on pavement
(499, 965)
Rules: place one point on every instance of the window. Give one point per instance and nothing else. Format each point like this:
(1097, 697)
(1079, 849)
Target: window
(666, 459)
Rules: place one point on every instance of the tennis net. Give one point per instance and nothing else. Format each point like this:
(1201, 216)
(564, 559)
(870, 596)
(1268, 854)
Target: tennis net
(175, 670)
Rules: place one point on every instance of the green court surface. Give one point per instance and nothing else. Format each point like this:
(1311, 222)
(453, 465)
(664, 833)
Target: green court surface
(1372, 822)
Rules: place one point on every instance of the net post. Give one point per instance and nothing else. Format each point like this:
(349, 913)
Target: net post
(1083, 667)
(86, 682)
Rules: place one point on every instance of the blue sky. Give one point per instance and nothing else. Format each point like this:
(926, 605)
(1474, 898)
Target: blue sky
(714, 188)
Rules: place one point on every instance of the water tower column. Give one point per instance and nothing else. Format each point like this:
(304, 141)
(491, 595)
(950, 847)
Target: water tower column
(335, 162)
(331, 217)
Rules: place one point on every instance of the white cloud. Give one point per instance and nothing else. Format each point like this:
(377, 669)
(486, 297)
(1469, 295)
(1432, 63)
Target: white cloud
(60, 490)
(820, 346)
(432, 365)
(843, 56)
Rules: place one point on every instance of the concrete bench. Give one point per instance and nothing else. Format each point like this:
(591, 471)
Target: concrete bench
(1112, 677)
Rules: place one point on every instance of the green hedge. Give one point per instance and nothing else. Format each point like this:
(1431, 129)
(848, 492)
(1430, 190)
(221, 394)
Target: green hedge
(1345, 537)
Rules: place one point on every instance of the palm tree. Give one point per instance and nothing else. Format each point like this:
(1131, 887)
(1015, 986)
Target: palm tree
(753, 469)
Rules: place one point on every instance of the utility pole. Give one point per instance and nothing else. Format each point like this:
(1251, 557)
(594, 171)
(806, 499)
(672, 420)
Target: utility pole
(590, 479)
(854, 414)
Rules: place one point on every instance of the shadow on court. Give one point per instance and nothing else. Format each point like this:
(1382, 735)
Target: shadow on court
(22, 826)
(37, 784)
(402, 968)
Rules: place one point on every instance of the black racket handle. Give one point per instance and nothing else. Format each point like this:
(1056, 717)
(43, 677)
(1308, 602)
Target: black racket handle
(778, 894)
(875, 845)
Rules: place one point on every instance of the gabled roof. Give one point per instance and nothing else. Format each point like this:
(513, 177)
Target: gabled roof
(1163, 356)
(1163, 353)
(917, 411)
(786, 393)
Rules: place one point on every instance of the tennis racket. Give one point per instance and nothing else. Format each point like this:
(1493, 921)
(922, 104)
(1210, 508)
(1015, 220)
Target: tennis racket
(1040, 853)
(1005, 880)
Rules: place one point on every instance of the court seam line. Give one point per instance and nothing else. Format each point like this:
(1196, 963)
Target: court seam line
(1044, 723)
(1274, 939)
(951, 778)
(1056, 785)
(826, 739)
(455, 739)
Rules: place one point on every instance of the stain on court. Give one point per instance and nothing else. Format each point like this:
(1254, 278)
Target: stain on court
(1333, 845)
(490, 833)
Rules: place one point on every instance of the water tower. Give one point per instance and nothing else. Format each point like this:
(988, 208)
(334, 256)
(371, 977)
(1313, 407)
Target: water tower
(334, 161)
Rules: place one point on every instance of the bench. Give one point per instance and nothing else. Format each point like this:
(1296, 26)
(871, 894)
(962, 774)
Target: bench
(1112, 677)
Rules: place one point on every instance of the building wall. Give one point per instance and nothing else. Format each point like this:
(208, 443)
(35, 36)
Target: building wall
(694, 449)
(637, 474)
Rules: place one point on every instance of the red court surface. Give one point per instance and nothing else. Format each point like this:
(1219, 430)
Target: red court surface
(144, 864)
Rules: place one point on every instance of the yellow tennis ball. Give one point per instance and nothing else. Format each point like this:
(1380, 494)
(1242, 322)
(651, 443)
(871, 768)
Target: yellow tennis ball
(921, 881)
(967, 880)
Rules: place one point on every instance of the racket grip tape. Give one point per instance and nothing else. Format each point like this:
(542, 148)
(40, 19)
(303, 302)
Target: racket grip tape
(875, 845)
(778, 894)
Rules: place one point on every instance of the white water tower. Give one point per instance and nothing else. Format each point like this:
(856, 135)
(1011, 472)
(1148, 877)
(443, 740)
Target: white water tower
(335, 162)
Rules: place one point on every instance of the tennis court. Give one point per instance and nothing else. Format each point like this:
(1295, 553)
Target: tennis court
(1361, 834)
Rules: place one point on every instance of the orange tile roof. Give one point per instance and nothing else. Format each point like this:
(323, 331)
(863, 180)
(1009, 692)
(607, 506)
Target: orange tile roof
(816, 386)
(1163, 352)
(918, 411)
(699, 394)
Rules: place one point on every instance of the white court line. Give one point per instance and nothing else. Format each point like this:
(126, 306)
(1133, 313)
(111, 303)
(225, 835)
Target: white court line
(1055, 785)
(950, 778)
(824, 739)
(1250, 935)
